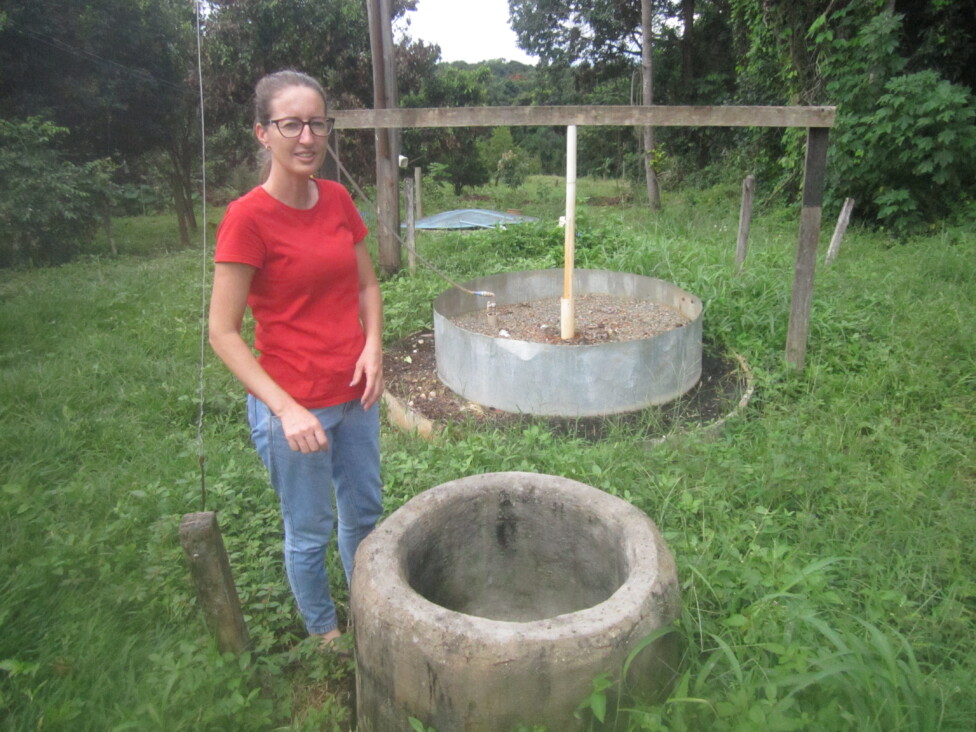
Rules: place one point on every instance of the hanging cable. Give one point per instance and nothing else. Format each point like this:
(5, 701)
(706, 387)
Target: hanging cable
(201, 454)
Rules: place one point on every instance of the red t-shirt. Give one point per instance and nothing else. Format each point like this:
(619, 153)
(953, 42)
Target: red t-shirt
(305, 293)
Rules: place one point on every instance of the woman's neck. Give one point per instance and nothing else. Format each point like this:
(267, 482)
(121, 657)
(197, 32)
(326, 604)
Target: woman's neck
(296, 192)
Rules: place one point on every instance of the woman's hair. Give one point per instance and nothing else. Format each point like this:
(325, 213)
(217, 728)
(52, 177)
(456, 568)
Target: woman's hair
(264, 93)
(269, 87)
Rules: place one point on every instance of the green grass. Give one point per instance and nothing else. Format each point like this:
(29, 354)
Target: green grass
(823, 539)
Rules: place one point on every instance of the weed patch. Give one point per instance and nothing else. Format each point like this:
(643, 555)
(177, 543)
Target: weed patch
(823, 539)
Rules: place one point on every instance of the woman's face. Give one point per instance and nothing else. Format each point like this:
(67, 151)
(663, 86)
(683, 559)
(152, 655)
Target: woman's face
(302, 155)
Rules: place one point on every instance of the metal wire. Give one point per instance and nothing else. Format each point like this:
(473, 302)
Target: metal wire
(204, 269)
(388, 228)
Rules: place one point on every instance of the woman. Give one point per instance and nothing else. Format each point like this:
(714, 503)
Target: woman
(293, 251)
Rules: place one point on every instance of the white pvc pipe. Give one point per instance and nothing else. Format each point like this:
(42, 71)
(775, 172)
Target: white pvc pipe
(567, 305)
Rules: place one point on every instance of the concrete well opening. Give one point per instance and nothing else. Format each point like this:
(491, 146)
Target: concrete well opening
(512, 555)
(495, 600)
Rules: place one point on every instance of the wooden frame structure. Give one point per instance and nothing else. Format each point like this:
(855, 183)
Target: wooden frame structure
(817, 120)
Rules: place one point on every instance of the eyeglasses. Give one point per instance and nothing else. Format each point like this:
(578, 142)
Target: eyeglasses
(293, 127)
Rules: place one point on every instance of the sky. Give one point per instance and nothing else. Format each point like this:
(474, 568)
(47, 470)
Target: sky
(466, 30)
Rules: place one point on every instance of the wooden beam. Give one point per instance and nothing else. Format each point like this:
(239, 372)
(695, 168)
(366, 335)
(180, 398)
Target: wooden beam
(814, 175)
(613, 116)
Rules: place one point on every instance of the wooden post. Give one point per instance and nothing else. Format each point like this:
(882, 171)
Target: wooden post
(418, 191)
(387, 180)
(567, 305)
(814, 173)
(408, 196)
(745, 220)
(205, 553)
(647, 74)
(330, 169)
(842, 221)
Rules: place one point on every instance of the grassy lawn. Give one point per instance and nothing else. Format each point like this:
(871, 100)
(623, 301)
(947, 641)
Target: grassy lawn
(824, 539)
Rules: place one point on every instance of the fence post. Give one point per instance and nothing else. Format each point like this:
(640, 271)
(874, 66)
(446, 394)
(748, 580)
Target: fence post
(408, 195)
(842, 221)
(205, 553)
(814, 174)
(745, 220)
(418, 188)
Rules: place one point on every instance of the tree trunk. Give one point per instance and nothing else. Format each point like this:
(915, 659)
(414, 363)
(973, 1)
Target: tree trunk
(107, 225)
(687, 47)
(180, 204)
(182, 195)
(647, 47)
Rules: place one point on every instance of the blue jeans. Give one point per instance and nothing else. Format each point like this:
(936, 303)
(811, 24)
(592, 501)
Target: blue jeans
(305, 483)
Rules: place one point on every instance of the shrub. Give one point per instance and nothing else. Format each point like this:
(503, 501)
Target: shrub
(49, 206)
(905, 143)
(513, 168)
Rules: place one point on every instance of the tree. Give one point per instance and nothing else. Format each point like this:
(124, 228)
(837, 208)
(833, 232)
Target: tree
(49, 206)
(109, 70)
(905, 142)
(246, 39)
(604, 35)
(904, 138)
(568, 31)
(456, 148)
(114, 72)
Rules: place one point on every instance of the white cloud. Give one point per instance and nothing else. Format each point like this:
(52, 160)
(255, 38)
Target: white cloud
(466, 30)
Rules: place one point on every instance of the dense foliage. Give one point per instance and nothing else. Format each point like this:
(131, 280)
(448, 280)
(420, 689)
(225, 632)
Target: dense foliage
(905, 143)
(121, 76)
(52, 227)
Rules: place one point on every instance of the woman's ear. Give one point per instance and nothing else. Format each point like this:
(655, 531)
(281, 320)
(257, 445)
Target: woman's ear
(261, 133)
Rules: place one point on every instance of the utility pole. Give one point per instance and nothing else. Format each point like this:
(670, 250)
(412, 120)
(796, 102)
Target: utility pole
(387, 140)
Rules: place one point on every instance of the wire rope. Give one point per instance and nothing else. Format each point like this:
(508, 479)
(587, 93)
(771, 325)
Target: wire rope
(204, 270)
(396, 235)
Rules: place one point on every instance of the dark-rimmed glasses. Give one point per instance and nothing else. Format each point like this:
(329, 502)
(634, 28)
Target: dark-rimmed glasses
(293, 126)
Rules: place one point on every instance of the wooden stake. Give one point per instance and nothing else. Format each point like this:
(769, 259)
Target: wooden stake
(203, 547)
(418, 189)
(842, 221)
(745, 220)
(408, 195)
(814, 175)
(567, 305)
(330, 169)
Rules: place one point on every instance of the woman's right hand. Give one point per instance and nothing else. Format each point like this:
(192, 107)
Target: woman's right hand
(303, 430)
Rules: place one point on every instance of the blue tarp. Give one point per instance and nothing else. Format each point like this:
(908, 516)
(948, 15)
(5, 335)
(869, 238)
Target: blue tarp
(471, 218)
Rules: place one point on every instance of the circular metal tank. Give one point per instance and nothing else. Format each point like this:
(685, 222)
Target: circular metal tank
(567, 380)
(495, 600)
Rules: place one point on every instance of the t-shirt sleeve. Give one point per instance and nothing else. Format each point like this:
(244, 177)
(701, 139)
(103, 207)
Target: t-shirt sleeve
(238, 240)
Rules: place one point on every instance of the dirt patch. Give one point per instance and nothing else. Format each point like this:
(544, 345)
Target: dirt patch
(599, 319)
(410, 368)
